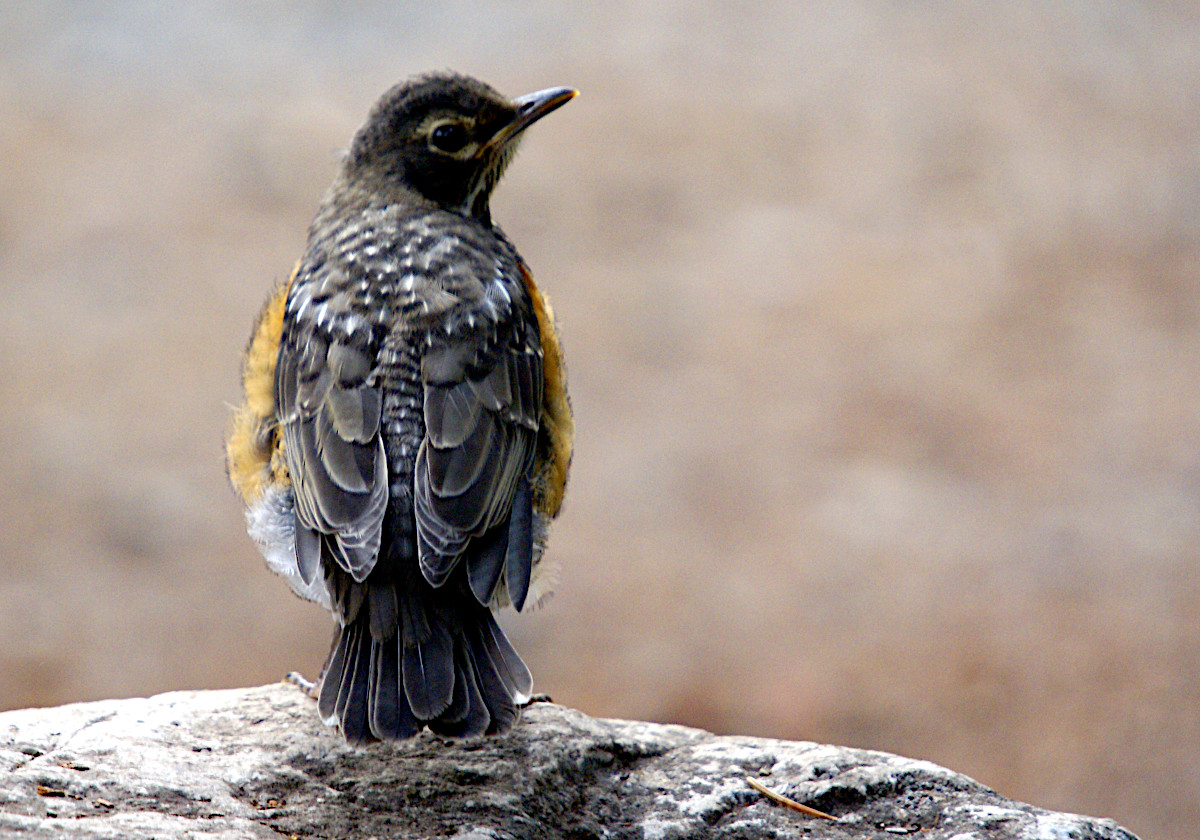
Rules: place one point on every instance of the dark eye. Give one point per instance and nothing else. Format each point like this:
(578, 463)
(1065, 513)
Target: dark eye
(449, 137)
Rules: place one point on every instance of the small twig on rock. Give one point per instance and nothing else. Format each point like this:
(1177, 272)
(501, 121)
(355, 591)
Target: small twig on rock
(780, 799)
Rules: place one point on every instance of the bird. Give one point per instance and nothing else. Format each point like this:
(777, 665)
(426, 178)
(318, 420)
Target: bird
(406, 436)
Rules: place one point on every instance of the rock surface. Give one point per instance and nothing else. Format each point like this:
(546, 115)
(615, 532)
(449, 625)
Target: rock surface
(258, 763)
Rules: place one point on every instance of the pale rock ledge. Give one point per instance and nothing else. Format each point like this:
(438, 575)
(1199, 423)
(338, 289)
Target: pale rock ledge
(257, 763)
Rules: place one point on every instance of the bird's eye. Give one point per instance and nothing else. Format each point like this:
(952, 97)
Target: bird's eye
(449, 137)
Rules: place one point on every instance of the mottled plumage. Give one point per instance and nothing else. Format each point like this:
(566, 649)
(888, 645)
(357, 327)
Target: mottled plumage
(406, 433)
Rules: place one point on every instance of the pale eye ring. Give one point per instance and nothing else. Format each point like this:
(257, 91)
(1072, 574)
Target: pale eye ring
(449, 137)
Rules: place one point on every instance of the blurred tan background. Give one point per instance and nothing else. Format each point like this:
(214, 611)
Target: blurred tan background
(883, 322)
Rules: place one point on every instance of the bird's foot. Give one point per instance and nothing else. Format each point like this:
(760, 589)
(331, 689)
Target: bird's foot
(307, 686)
(536, 698)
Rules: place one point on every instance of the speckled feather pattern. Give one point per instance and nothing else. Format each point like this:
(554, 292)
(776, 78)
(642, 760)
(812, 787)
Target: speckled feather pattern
(406, 435)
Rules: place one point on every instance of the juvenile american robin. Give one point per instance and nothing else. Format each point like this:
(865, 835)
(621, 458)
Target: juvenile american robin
(406, 434)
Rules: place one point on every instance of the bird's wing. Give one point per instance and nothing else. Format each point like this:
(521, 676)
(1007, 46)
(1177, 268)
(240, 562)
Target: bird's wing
(329, 409)
(483, 393)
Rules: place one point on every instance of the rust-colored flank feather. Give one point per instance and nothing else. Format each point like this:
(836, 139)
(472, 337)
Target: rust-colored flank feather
(558, 423)
(254, 447)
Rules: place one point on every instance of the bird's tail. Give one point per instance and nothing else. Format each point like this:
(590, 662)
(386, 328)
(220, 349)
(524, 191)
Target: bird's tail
(411, 657)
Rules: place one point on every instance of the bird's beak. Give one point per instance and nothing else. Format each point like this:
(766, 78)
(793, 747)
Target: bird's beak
(530, 108)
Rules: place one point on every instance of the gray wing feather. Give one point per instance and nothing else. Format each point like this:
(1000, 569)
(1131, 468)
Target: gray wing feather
(482, 395)
(334, 452)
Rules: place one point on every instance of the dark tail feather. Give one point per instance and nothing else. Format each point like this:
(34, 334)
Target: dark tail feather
(460, 706)
(331, 679)
(350, 671)
(453, 670)
(391, 716)
(500, 706)
(428, 669)
(345, 685)
(352, 696)
(513, 673)
(473, 718)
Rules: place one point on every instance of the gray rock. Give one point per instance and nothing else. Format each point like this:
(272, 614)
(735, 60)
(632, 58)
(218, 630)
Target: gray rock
(258, 763)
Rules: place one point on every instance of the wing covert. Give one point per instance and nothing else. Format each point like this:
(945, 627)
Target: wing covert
(482, 397)
(330, 413)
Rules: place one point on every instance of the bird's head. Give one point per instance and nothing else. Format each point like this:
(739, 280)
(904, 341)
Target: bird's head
(447, 137)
